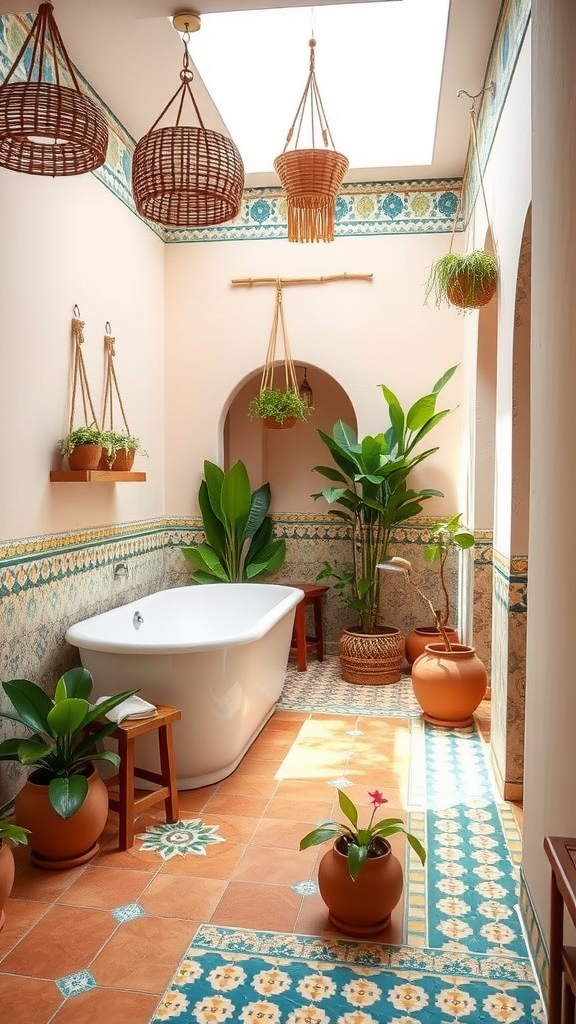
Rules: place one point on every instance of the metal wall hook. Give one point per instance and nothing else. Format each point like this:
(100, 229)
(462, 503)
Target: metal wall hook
(491, 88)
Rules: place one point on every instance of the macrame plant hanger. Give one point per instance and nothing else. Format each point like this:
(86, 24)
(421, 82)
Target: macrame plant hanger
(79, 376)
(267, 380)
(111, 386)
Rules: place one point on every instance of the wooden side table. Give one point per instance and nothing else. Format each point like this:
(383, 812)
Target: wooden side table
(126, 803)
(561, 853)
(302, 644)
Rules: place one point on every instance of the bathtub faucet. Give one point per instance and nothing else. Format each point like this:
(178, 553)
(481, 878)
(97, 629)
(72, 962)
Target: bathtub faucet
(137, 620)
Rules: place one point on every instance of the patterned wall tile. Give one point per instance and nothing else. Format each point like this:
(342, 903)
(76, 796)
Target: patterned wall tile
(509, 665)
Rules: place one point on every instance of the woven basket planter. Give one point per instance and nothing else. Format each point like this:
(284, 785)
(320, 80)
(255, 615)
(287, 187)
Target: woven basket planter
(32, 111)
(371, 659)
(311, 179)
(186, 176)
(465, 292)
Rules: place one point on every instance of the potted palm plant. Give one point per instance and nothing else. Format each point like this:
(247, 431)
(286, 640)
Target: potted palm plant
(239, 544)
(446, 535)
(465, 280)
(9, 833)
(279, 409)
(448, 679)
(64, 802)
(371, 494)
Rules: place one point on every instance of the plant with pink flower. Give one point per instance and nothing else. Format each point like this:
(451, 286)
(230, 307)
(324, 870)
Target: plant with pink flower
(356, 843)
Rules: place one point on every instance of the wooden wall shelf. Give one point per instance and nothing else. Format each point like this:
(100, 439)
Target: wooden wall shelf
(93, 476)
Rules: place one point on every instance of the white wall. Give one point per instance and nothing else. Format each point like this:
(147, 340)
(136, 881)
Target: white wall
(362, 334)
(66, 241)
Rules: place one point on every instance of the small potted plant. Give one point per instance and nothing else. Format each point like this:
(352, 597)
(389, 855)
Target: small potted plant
(359, 878)
(9, 833)
(119, 451)
(446, 534)
(279, 409)
(465, 280)
(83, 447)
(64, 802)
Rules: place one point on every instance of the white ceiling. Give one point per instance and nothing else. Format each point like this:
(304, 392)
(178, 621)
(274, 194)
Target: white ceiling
(131, 55)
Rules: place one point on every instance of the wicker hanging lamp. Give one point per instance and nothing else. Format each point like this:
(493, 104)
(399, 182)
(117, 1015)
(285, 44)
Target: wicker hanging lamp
(47, 127)
(187, 176)
(312, 177)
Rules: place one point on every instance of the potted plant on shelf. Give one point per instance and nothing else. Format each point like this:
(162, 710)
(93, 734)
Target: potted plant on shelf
(359, 878)
(239, 544)
(446, 534)
(9, 833)
(372, 494)
(279, 409)
(448, 679)
(83, 447)
(119, 451)
(64, 802)
(465, 280)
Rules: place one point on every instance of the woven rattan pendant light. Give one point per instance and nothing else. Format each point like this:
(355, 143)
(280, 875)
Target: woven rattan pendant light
(187, 176)
(47, 127)
(312, 177)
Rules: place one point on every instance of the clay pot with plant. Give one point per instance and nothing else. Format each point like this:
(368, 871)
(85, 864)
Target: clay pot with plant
(9, 833)
(360, 879)
(447, 535)
(279, 409)
(465, 280)
(119, 451)
(83, 447)
(64, 802)
(448, 679)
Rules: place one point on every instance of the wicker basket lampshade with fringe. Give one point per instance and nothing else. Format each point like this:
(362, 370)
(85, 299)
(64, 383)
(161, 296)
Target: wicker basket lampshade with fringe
(311, 178)
(46, 127)
(187, 176)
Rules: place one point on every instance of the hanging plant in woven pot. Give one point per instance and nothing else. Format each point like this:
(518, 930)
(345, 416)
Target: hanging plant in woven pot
(465, 280)
(311, 178)
(279, 407)
(186, 175)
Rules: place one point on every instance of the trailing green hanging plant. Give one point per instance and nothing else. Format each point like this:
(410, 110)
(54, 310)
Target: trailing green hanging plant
(278, 405)
(465, 280)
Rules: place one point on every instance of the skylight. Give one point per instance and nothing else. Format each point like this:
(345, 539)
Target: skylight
(378, 67)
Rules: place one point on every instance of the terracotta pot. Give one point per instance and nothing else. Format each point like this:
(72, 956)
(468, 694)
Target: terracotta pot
(371, 659)
(104, 460)
(124, 460)
(464, 292)
(85, 456)
(56, 843)
(6, 877)
(273, 424)
(360, 908)
(417, 640)
(449, 685)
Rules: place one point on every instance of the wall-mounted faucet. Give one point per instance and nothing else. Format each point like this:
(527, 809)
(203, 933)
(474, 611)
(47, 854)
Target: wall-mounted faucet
(120, 571)
(137, 620)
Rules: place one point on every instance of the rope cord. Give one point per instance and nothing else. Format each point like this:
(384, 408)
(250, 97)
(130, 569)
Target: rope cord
(111, 382)
(311, 93)
(474, 141)
(80, 377)
(267, 380)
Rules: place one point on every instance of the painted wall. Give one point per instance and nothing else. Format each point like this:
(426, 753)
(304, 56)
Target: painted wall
(67, 241)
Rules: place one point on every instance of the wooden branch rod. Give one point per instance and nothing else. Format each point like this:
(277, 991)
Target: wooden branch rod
(250, 281)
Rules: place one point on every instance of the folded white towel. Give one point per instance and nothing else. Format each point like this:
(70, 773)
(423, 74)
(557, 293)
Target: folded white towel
(132, 708)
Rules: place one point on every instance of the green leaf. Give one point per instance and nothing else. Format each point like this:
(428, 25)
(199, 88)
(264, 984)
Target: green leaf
(329, 830)
(235, 498)
(106, 705)
(432, 552)
(260, 540)
(31, 751)
(67, 795)
(396, 413)
(77, 682)
(464, 539)
(270, 559)
(420, 412)
(204, 559)
(213, 529)
(101, 755)
(66, 718)
(432, 422)
(356, 857)
(259, 505)
(417, 847)
(347, 807)
(30, 702)
(9, 749)
(444, 379)
(330, 474)
(332, 494)
(214, 477)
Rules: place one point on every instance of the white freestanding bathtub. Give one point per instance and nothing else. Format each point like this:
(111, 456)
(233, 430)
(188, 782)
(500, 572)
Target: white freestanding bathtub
(216, 651)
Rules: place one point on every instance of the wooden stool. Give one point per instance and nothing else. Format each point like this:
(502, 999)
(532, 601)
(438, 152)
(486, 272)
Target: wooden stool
(126, 803)
(303, 645)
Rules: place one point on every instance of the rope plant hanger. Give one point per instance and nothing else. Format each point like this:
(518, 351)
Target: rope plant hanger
(183, 175)
(79, 376)
(117, 454)
(48, 127)
(286, 404)
(311, 177)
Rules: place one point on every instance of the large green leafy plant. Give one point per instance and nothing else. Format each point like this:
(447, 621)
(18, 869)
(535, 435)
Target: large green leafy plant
(239, 543)
(59, 747)
(371, 491)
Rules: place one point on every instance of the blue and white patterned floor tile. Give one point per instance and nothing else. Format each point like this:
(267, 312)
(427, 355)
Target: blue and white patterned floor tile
(74, 984)
(321, 688)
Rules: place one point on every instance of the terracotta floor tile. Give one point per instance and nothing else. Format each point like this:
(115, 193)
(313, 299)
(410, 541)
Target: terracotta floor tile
(257, 768)
(192, 801)
(28, 1000)
(21, 915)
(281, 714)
(47, 951)
(33, 883)
(278, 867)
(304, 789)
(219, 862)
(143, 954)
(105, 888)
(245, 785)
(291, 808)
(254, 905)
(183, 896)
(233, 803)
(234, 827)
(313, 920)
(280, 832)
(134, 859)
(102, 1006)
(286, 725)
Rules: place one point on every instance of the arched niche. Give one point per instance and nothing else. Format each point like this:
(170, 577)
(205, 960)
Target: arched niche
(285, 458)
